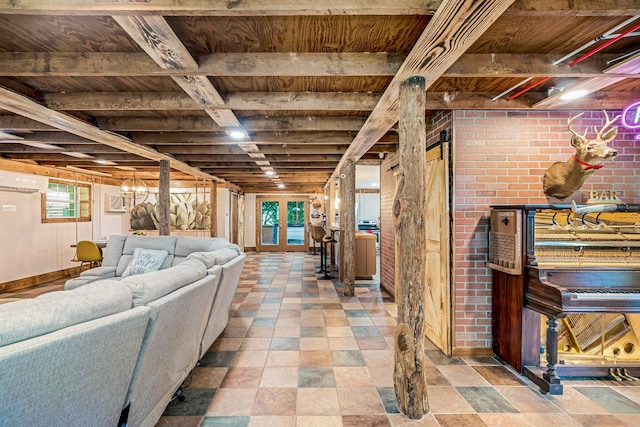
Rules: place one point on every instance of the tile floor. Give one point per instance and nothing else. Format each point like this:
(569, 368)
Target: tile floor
(297, 353)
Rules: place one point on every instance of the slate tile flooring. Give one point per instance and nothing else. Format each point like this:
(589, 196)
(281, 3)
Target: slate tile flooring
(298, 353)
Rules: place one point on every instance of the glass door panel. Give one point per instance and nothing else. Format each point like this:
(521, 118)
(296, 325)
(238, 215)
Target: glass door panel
(282, 223)
(270, 217)
(295, 222)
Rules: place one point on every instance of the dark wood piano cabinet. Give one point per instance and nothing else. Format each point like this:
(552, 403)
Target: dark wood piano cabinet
(513, 325)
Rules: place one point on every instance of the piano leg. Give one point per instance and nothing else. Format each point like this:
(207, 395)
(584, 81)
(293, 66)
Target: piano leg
(551, 379)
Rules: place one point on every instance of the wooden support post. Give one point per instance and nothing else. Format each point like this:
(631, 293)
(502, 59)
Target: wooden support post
(348, 224)
(214, 209)
(409, 208)
(164, 187)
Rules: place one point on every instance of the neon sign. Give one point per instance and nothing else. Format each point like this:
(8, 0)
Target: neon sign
(631, 117)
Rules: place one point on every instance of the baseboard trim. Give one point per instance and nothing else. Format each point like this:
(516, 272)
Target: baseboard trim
(39, 279)
(472, 352)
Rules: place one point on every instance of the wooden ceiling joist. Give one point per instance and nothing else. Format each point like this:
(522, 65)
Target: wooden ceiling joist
(25, 107)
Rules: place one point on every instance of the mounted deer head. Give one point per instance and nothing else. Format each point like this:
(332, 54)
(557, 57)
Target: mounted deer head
(564, 178)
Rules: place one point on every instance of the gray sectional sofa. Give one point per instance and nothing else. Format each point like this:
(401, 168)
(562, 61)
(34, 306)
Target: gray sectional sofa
(110, 345)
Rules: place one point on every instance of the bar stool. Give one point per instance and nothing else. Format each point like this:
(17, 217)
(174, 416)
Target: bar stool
(317, 234)
(323, 254)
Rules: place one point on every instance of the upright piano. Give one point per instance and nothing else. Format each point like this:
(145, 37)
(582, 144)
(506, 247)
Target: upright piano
(580, 275)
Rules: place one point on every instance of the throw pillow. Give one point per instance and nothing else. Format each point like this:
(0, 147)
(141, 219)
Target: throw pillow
(144, 261)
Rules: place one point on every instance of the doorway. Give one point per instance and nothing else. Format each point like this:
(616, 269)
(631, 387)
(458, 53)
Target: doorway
(281, 224)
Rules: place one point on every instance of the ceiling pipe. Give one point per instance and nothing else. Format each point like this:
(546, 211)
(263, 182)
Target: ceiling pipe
(608, 34)
(620, 58)
(528, 88)
(596, 40)
(604, 45)
(494, 99)
(612, 36)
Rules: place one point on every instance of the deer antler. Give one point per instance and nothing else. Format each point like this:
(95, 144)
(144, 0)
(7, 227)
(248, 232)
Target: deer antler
(571, 119)
(606, 125)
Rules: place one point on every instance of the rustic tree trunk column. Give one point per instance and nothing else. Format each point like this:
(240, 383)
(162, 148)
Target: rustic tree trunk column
(348, 224)
(164, 228)
(409, 216)
(214, 209)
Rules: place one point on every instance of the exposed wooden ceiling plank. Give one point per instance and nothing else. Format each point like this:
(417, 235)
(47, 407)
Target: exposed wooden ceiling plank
(25, 64)
(50, 64)
(151, 101)
(198, 124)
(221, 7)
(295, 7)
(97, 101)
(201, 138)
(18, 104)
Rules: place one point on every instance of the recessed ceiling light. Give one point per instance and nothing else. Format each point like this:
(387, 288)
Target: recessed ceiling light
(78, 155)
(237, 133)
(42, 145)
(269, 172)
(280, 185)
(105, 162)
(573, 94)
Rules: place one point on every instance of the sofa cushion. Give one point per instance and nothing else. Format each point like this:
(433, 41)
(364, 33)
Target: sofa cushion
(50, 312)
(186, 245)
(167, 243)
(151, 286)
(102, 272)
(113, 251)
(219, 257)
(145, 261)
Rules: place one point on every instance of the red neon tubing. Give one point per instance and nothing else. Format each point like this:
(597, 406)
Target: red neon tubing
(602, 46)
(528, 88)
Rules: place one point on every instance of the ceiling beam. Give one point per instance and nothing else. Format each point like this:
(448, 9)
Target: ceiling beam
(23, 106)
(250, 124)
(109, 64)
(154, 35)
(221, 8)
(126, 64)
(97, 101)
(297, 8)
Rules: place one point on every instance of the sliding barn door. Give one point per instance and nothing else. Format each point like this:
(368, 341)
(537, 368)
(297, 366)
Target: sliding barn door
(438, 249)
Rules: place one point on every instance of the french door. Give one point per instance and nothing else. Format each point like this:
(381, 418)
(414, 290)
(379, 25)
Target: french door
(281, 224)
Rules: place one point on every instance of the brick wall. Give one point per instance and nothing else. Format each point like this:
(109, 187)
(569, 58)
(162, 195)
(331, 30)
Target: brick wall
(387, 230)
(438, 122)
(500, 158)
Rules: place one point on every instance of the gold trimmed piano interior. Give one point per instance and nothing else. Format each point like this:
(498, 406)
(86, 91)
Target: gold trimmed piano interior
(609, 240)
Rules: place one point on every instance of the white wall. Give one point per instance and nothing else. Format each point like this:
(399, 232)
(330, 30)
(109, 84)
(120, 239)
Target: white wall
(250, 220)
(223, 213)
(30, 247)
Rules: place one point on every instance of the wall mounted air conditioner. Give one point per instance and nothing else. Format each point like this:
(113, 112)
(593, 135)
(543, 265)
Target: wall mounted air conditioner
(115, 203)
(22, 183)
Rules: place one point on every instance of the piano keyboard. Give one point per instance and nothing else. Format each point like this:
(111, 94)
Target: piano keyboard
(596, 294)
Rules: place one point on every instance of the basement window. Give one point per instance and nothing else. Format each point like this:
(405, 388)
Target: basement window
(66, 202)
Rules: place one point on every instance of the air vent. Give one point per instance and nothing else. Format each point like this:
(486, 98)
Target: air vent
(115, 203)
